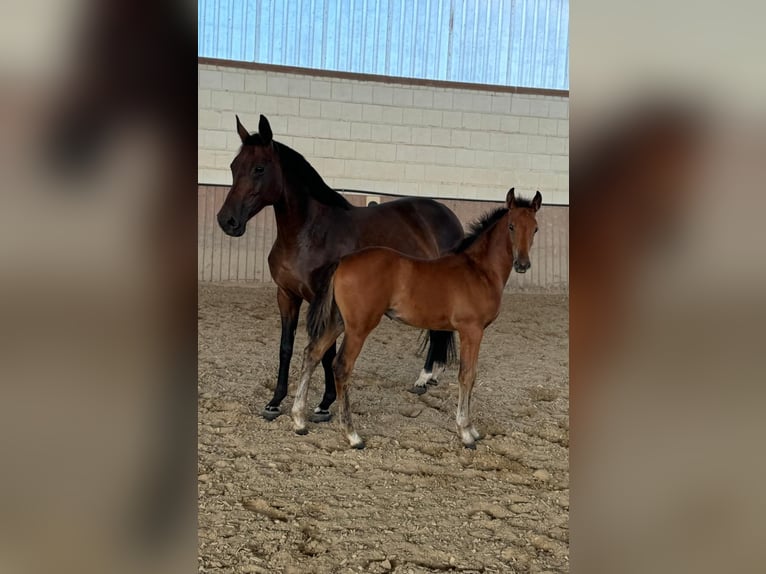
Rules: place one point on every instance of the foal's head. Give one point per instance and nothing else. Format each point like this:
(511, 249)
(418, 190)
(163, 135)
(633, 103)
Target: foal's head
(256, 179)
(523, 226)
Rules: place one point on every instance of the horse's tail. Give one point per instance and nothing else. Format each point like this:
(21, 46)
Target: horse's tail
(444, 349)
(323, 310)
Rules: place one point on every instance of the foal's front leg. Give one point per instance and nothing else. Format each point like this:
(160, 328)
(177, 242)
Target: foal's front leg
(470, 341)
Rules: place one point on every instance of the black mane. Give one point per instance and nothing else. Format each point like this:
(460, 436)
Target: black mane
(486, 221)
(300, 172)
(480, 226)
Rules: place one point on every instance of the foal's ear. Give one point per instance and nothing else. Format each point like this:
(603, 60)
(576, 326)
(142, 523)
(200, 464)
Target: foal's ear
(510, 198)
(243, 133)
(537, 201)
(264, 129)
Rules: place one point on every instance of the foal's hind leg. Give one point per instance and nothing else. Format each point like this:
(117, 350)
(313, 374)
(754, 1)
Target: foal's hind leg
(311, 357)
(470, 340)
(344, 364)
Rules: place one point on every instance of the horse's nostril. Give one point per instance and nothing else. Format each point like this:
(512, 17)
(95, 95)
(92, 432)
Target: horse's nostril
(231, 223)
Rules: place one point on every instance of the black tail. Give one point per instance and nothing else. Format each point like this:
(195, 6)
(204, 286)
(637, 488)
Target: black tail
(443, 350)
(322, 310)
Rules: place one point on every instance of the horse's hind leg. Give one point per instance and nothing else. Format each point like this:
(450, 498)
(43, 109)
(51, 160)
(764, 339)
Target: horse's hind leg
(311, 357)
(436, 360)
(470, 340)
(322, 412)
(344, 364)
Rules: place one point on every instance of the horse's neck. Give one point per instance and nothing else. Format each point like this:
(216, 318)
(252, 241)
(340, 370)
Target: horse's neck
(295, 210)
(493, 252)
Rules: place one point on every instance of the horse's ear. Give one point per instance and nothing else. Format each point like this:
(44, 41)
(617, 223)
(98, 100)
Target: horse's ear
(243, 133)
(537, 201)
(264, 129)
(510, 198)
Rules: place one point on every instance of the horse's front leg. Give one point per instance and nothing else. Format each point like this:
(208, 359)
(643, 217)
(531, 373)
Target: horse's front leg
(289, 307)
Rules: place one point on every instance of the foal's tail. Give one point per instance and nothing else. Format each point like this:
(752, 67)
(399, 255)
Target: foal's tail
(323, 311)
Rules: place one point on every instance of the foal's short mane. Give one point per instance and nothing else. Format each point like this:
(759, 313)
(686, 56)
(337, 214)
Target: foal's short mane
(297, 169)
(485, 222)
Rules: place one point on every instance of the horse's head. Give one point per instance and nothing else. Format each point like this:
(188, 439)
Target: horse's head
(256, 179)
(523, 226)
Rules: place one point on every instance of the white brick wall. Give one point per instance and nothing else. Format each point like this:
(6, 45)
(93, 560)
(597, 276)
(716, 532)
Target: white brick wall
(405, 140)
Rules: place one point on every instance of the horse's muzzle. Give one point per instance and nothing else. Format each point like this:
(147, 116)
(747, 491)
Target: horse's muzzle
(521, 266)
(230, 225)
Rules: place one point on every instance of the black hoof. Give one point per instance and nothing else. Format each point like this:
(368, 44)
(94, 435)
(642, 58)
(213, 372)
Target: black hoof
(301, 431)
(270, 413)
(432, 382)
(358, 446)
(321, 417)
(472, 446)
(416, 390)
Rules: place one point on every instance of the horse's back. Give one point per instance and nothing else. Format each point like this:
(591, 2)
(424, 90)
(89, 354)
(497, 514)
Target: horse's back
(416, 226)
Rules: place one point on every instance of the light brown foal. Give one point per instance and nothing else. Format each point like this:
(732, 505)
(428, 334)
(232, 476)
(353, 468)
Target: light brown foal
(461, 291)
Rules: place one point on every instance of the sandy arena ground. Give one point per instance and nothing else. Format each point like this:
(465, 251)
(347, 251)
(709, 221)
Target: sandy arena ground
(414, 500)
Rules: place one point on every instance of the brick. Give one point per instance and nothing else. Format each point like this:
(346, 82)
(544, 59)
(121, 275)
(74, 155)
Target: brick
(510, 124)
(340, 130)
(501, 104)
(210, 79)
(558, 109)
(462, 101)
(385, 152)
(362, 93)
(414, 172)
(222, 100)
(465, 157)
(482, 102)
(548, 127)
(432, 118)
(233, 81)
(324, 147)
(445, 156)
(381, 133)
(298, 127)
(244, 102)
(372, 113)
(215, 140)
(556, 146)
(517, 143)
(203, 98)
(332, 110)
(401, 134)
(421, 136)
(529, 125)
(255, 84)
(563, 128)
(423, 99)
(472, 120)
(391, 115)
(288, 106)
(209, 119)
(498, 141)
(360, 131)
(310, 108)
(266, 105)
(345, 149)
(538, 108)
(560, 163)
(278, 86)
(460, 138)
(342, 91)
(519, 106)
(479, 140)
(304, 145)
(452, 119)
(352, 112)
(440, 136)
(382, 95)
(536, 144)
(320, 89)
(442, 100)
(541, 162)
(412, 116)
(366, 150)
(299, 87)
(401, 96)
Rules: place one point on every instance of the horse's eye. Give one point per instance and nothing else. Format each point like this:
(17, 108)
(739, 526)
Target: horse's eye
(535, 229)
(510, 227)
(258, 169)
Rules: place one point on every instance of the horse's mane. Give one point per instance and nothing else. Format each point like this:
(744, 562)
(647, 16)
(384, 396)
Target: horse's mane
(486, 221)
(300, 172)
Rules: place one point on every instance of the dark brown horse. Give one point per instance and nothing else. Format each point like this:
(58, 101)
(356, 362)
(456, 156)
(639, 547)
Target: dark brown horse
(461, 291)
(317, 226)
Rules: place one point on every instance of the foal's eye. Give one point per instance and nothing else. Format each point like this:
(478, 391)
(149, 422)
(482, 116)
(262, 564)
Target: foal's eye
(510, 227)
(258, 169)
